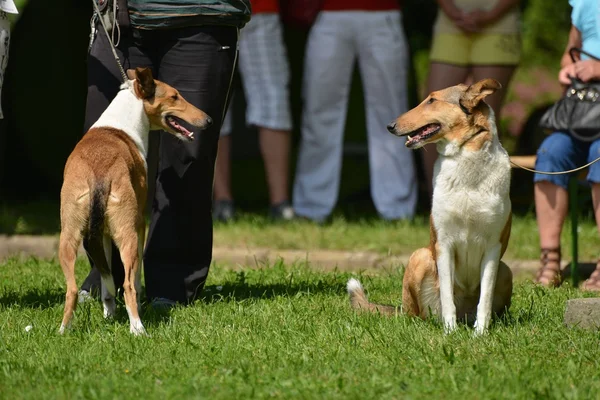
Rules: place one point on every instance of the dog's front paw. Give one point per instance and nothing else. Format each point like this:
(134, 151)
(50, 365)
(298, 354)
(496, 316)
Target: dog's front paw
(480, 329)
(449, 324)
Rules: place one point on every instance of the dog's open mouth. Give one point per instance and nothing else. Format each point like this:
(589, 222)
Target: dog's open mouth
(180, 126)
(422, 134)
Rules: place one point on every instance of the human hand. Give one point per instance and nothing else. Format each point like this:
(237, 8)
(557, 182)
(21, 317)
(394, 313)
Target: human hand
(465, 22)
(566, 72)
(587, 70)
(481, 18)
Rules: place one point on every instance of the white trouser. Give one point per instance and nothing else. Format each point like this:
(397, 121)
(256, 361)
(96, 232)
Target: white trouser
(335, 41)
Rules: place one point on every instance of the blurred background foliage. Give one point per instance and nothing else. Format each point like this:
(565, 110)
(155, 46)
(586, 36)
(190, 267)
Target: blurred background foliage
(45, 88)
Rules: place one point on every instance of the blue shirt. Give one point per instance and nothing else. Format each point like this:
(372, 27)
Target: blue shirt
(586, 18)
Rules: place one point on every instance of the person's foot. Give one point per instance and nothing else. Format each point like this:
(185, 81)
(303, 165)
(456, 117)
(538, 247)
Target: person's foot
(282, 211)
(549, 274)
(223, 210)
(592, 284)
(160, 303)
(84, 296)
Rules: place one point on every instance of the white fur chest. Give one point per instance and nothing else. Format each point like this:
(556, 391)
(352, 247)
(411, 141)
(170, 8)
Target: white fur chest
(470, 207)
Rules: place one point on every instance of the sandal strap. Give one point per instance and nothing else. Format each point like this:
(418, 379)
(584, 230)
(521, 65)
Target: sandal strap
(545, 255)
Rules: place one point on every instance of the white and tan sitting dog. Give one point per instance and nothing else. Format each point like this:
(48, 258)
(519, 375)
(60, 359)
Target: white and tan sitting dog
(460, 274)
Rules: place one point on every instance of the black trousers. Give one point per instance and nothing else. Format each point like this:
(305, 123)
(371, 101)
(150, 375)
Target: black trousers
(199, 62)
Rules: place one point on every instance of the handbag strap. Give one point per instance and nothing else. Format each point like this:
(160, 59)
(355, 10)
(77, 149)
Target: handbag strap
(573, 50)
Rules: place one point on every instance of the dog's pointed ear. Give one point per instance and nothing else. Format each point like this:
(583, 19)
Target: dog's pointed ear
(477, 92)
(144, 82)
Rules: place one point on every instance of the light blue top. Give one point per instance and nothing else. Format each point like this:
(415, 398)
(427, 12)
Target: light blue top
(586, 18)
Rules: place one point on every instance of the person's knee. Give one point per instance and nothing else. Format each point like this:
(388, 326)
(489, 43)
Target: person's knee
(556, 153)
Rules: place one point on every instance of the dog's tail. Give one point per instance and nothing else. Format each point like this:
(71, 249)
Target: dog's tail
(96, 224)
(359, 300)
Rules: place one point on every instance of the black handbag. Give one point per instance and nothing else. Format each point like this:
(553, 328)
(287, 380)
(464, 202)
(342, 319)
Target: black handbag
(577, 112)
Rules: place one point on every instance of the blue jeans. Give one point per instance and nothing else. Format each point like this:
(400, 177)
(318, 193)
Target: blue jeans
(562, 152)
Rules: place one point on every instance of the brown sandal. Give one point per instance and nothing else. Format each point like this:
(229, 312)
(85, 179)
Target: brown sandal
(592, 284)
(549, 274)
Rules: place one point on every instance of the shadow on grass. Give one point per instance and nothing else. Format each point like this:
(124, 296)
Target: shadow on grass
(32, 298)
(231, 292)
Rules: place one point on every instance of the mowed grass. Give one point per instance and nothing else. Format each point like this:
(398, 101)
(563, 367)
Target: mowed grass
(395, 238)
(284, 331)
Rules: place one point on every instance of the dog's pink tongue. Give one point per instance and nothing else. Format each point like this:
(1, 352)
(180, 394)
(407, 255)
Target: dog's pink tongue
(182, 129)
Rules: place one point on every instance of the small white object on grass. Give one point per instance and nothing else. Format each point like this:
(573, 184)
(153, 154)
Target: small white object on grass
(219, 288)
(28, 328)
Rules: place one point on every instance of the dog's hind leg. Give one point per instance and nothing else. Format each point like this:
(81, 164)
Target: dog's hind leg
(67, 254)
(420, 289)
(108, 285)
(72, 221)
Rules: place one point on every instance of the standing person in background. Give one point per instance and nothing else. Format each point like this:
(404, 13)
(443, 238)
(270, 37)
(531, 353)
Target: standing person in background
(371, 32)
(476, 38)
(265, 77)
(192, 46)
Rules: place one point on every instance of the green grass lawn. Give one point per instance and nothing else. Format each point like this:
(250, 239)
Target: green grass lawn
(284, 332)
(342, 233)
(387, 238)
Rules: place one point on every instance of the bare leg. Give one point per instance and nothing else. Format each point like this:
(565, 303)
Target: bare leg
(222, 189)
(440, 76)
(593, 283)
(275, 150)
(502, 74)
(551, 204)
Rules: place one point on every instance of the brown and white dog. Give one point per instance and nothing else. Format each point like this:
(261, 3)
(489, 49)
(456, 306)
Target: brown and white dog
(460, 273)
(104, 190)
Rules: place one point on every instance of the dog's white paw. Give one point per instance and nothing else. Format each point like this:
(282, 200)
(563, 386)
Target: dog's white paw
(449, 325)
(62, 329)
(136, 328)
(110, 307)
(480, 329)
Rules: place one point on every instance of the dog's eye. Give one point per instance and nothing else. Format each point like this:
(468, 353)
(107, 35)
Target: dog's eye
(431, 100)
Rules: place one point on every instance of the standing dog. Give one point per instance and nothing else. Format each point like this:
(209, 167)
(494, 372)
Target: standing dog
(461, 272)
(104, 190)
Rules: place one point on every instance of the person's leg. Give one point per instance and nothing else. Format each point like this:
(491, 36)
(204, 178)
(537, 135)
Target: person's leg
(265, 76)
(441, 76)
(328, 65)
(495, 56)
(223, 208)
(593, 283)
(558, 152)
(382, 58)
(199, 62)
(275, 149)
(449, 66)
(502, 74)
(104, 80)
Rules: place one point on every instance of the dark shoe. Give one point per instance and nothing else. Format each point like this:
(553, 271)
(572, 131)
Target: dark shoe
(224, 211)
(282, 212)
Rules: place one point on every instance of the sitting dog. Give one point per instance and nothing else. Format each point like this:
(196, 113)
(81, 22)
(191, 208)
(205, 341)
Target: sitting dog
(460, 273)
(104, 190)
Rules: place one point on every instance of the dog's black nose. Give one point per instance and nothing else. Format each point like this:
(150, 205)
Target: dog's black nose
(209, 121)
(391, 127)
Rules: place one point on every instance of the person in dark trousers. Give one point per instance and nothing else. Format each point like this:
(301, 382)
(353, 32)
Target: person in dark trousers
(192, 46)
